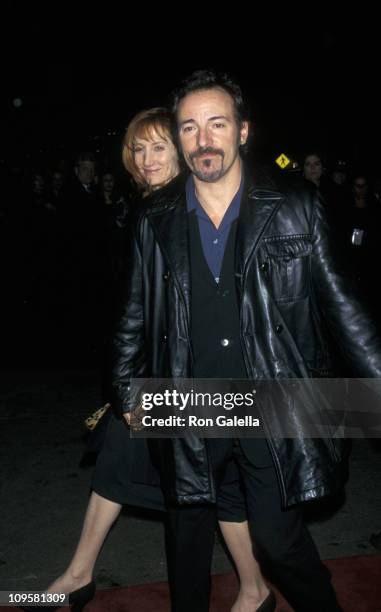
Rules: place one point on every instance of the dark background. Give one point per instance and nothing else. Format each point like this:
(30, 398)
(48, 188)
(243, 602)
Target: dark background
(79, 74)
(82, 72)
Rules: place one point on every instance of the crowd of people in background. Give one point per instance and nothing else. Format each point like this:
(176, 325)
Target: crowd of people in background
(354, 201)
(63, 240)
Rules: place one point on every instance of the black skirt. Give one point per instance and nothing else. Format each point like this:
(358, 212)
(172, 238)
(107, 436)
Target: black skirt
(124, 472)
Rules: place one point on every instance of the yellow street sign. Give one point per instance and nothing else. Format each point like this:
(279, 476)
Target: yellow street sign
(283, 161)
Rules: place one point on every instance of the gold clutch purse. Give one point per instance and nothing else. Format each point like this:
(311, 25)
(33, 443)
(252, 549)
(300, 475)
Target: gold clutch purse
(92, 421)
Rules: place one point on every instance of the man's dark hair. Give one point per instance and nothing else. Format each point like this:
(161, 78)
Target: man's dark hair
(208, 79)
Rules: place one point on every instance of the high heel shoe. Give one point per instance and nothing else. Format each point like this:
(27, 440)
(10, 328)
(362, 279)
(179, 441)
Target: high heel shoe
(269, 604)
(77, 600)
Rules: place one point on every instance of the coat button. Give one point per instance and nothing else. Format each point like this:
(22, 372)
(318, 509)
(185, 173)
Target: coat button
(279, 329)
(166, 275)
(225, 342)
(165, 338)
(264, 266)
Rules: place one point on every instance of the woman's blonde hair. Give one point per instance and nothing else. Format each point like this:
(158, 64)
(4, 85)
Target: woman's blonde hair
(144, 125)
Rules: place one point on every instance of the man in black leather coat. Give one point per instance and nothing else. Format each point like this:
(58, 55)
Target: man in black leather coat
(232, 275)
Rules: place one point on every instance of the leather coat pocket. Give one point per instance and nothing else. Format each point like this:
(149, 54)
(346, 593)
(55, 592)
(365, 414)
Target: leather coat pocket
(288, 261)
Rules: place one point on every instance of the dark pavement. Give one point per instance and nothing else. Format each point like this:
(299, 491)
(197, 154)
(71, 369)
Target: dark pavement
(44, 491)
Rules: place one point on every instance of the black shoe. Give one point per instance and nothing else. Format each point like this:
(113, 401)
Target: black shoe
(77, 600)
(269, 604)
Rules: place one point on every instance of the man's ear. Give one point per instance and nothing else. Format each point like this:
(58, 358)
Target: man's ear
(244, 132)
(76, 171)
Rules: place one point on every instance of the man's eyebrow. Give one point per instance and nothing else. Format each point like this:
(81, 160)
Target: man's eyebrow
(219, 117)
(186, 121)
(214, 118)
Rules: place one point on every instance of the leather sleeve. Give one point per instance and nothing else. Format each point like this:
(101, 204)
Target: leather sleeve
(128, 350)
(346, 317)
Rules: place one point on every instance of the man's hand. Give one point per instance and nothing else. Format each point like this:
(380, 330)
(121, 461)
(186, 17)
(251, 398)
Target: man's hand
(134, 418)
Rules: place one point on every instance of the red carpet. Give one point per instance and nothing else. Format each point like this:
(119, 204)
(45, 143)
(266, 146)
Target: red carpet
(357, 581)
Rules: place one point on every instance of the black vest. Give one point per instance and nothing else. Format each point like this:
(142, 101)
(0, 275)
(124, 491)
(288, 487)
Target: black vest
(215, 327)
(215, 320)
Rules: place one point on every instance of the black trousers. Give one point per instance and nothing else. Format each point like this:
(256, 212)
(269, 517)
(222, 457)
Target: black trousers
(279, 535)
